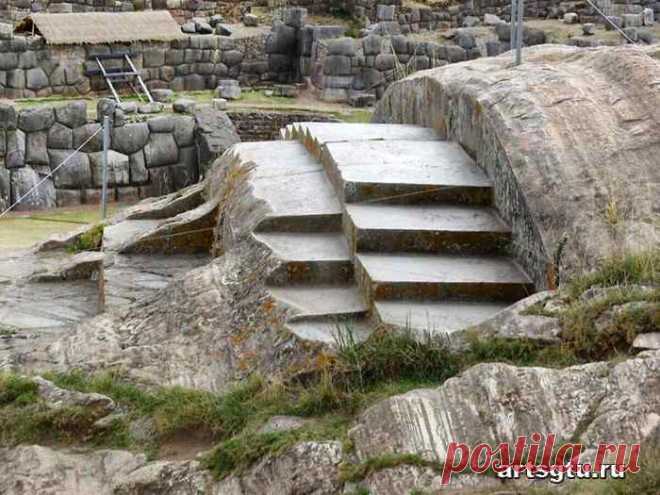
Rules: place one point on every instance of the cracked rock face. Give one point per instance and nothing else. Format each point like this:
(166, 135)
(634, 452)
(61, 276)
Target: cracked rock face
(493, 403)
(569, 138)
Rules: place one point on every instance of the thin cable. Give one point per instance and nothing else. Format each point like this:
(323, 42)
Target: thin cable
(64, 162)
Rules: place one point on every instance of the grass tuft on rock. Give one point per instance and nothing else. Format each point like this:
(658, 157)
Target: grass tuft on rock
(89, 241)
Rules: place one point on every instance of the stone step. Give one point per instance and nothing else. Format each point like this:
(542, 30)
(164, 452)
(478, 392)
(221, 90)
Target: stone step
(440, 277)
(330, 331)
(405, 172)
(308, 257)
(436, 316)
(330, 222)
(314, 301)
(283, 177)
(314, 135)
(425, 228)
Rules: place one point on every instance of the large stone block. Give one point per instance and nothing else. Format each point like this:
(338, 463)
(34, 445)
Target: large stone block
(372, 44)
(8, 61)
(341, 46)
(184, 131)
(15, 157)
(16, 79)
(130, 138)
(5, 188)
(161, 150)
(75, 174)
(281, 40)
(36, 119)
(36, 79)
(138, 172)
(385, 12)
(164, 123)
(153, 58)
(228, 89)
(23, 181)
(337, 65)
(385, 61)
(232, 57)
(72, 114)
(89, 136)
(118, 169)
(8, 116)
(36, 149)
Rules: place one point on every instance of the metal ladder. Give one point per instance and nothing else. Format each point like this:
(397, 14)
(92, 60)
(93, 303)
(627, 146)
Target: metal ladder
(127, 75)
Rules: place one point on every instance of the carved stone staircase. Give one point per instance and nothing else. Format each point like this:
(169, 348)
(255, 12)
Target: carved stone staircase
(381, 222)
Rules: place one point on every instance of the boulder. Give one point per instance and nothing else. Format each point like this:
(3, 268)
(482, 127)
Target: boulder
(588, 28)
(571, 18)
(549, 171)
(471, 21)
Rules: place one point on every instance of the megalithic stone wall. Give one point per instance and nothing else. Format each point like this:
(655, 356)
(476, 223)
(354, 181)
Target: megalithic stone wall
(151, 157)
(29, 67)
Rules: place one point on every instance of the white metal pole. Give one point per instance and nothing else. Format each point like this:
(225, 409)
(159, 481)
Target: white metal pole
(104, 185)
(514, 31)
(519, 28)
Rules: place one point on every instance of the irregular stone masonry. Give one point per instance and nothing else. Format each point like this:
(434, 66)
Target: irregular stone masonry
(30, 68)
(265, 126)
(182, 10)
(346, 67)
(148, 158)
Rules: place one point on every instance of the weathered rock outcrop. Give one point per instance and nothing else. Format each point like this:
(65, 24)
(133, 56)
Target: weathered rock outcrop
(569, 138)
(496, 403)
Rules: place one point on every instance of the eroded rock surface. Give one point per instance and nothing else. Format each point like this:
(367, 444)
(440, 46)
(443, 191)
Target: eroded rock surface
(495, 403)
(569, 138)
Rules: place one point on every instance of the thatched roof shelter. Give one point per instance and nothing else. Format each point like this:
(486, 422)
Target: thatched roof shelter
(102, 27)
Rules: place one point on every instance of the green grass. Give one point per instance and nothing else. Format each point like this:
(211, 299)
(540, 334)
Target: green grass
(630, 268)
(89, 241)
